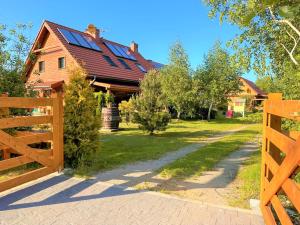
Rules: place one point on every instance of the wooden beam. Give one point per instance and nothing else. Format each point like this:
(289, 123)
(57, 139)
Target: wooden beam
(292, 190)
(280, 211)
(24, 121)
(58, 142)
(14, 162)
(48, 48)
(21, 179)
(283, 142)
(23, 149)
(18, 102)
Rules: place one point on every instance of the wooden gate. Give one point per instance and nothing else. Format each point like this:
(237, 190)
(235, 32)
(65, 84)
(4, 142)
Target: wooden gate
(15, 146)
(280, 161)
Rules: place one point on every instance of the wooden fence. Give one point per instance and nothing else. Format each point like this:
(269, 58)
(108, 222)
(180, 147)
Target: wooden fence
(280, 160)
(15, 146)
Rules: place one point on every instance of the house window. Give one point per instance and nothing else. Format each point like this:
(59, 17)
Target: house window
(109, 60)
(61, 63)
(41, 66)
(124, 64)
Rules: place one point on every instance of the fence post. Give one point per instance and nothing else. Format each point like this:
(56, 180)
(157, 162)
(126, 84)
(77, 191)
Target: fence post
(5, 112)
(275, 123)
(58, 133)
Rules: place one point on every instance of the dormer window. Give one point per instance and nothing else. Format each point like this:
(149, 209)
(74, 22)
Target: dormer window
(61, 63)
(41, 66)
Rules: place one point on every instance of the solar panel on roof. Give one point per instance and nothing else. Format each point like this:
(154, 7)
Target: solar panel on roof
(79, 39)
(120, 51)
(92, 43)
(68, 36)
(113, 49)
(127, 52)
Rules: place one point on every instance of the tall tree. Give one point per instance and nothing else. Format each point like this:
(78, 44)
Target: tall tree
(177, 82)
(270, 36)
(218, 77)
(150, 106)
(81, 124)
(14, 47)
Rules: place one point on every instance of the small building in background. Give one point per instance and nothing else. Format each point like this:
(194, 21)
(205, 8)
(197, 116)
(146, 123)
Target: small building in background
(249, 99)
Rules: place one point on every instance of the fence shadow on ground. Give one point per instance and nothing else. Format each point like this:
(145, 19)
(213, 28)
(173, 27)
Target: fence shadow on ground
(65, 195)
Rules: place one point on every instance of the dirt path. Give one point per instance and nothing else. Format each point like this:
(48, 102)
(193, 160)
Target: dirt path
(135, 175)
(212, 186)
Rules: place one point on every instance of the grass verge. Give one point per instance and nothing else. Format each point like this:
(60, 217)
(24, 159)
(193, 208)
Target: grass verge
(130, 144)
(205, 158)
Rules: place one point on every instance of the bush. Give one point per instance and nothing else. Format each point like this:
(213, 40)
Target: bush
(80, 122)
(253, 118)
(126, 110)
(150, 107)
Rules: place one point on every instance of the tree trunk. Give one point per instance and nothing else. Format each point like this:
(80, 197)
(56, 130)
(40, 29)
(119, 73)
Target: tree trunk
(178, 116)
(209, 111)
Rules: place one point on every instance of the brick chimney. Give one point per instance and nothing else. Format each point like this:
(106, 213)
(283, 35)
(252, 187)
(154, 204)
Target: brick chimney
(93, 31)
(134, 47)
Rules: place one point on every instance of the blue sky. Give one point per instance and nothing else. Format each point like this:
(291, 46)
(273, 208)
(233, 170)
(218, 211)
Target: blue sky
(155, 25)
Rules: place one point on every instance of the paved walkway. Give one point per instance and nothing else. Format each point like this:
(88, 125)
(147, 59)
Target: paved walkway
(58, 199)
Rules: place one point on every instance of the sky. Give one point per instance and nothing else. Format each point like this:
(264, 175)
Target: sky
(155, 25)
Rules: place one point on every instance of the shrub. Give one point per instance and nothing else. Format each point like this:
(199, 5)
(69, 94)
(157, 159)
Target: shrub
(126, 110)
(150, 107)
(80, 122)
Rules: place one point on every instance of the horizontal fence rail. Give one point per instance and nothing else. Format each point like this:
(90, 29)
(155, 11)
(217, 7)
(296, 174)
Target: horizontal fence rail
(280, 161)
(16, 147)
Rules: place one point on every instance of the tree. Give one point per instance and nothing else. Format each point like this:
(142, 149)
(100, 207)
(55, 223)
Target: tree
(219, 79)
(267, 83)
(81, 125)
(150, 106)
(176, 80)
(14, 47)
(270, 32)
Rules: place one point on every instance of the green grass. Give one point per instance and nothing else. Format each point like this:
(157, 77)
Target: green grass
(247, 182)
(204, 159)
(131, 144)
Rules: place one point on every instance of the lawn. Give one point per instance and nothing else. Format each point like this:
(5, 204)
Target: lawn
(131, 144)
(205, 158)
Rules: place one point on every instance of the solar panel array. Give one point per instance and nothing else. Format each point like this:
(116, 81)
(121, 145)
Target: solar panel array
(120, 51)
(79, 39)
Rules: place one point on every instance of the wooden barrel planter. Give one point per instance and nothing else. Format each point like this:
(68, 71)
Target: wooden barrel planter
(110, 119)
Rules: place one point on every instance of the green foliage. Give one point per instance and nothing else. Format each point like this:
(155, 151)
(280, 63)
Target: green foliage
(268, 32)
(14, 47)
(130, 144)
(267, 84)
(177, 82)
(217, 78)
(109, 99)
(126, 110)
(99, 96)
(253, 118)
(150, 106)
(204, 159)
(81, 125)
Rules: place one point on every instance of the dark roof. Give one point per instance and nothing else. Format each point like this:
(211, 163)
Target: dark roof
(96, 65)
(254, 87)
